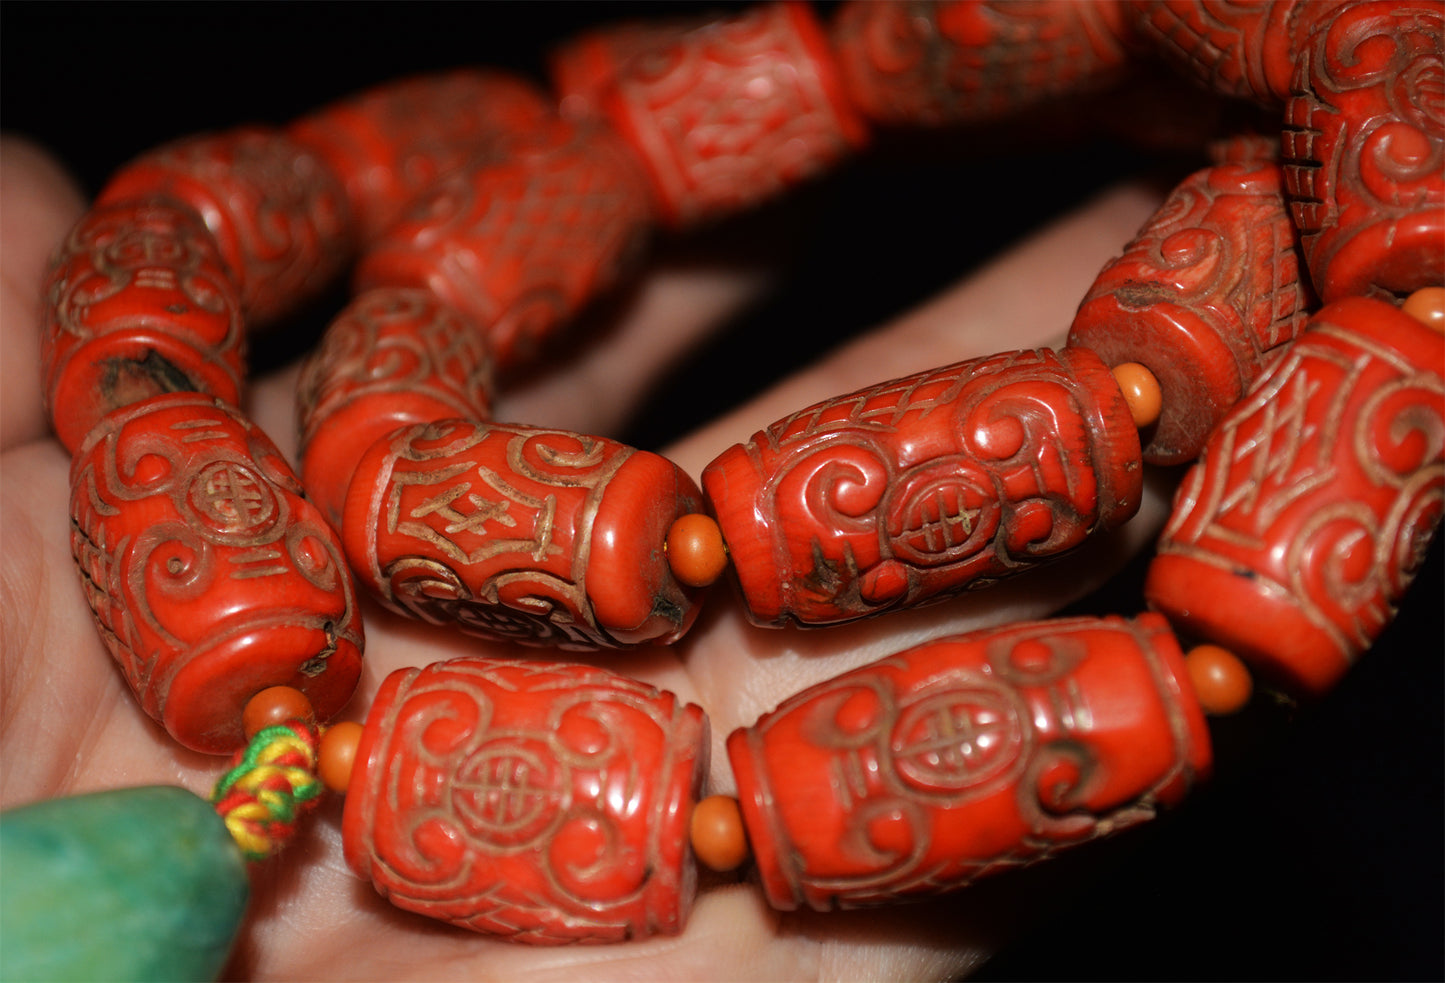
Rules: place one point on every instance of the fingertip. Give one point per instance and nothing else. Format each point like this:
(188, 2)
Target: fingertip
(39, 202)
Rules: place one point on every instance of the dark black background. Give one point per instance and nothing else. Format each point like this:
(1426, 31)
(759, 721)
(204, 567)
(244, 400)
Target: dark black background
(1317, 853)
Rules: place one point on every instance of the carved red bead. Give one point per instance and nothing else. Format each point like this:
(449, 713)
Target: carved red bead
(925, 486)
(137, 302)
(924, 63)
(210, 576)
(279, 214)
(734, 112)
(1203, 296)
(583, 68)
(543, 802)
(390, 143)
(521, 241)
(538, 536)
(1302, 523)
(1364, 145)
(1240, 48)
(391, 359)
(965, 756)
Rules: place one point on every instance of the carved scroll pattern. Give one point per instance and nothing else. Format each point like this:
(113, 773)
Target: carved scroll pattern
(138, 302)
(1364, 147)
(925, 486)
(962, 757)
(1203, 295)
(1322, 489)
(543, 802)
(489, 527)
(280, 216)
(394, 348)
(191, 534)
(934, 63)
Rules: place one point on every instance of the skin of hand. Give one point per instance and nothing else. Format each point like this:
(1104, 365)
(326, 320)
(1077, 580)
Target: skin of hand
(1271, 861)
(83, 731)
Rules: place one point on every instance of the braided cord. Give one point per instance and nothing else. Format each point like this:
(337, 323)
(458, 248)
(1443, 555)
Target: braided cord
(271, 784)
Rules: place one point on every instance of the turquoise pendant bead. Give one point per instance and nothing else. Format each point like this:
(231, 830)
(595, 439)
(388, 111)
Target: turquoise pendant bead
(135, 884)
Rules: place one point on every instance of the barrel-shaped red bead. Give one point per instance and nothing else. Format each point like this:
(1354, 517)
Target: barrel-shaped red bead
(279, 214)
(543, 802)
(520, 241)
(540, 536)
(210, 576)
(138, 302)
(1300, 526)
(1202, 297)
(961, 757)
(394, 357)
(1364, 147)
(925, 486)
(734, 111)
(389, 143)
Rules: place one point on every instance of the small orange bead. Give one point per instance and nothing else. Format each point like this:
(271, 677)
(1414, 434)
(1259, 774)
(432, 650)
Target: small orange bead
(1427, 305)
(718, 837)
(337, 755)
(1220, 679)
(1141, 391)
(695, 550)
(274, 706)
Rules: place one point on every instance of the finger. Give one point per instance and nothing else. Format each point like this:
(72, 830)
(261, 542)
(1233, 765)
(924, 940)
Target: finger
(38, 204)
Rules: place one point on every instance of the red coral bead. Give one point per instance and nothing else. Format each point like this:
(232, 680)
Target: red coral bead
(1304, 519)
(521, 241)
(390, 143)
(138, 302)
(966, 756)
(1202, 297)
(925, 486)
(540, 536)
(394, 357)
(543, 802)
(210, 575)
(279, 214)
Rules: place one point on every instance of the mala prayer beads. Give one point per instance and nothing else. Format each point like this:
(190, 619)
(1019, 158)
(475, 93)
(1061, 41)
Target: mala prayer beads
(1277, 323)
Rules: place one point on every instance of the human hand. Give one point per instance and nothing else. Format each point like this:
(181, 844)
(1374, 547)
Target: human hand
(69, 723)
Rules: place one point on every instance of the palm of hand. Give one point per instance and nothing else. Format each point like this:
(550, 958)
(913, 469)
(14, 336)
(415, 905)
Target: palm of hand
(68, 723)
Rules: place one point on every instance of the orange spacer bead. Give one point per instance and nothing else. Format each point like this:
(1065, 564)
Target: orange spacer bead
(1141, 391)
(1220, 679)
(273, 706)
(695, 550)
(718, 837)
(1428, 306)
(337, 755)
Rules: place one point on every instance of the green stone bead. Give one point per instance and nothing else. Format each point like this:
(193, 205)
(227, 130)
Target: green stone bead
(136, 884)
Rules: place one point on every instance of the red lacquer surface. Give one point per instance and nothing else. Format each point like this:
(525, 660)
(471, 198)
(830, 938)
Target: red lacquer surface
(584, 67)
(542, 802)
(923, 63)
(539, 536)
(1304, 520)
(521, 241)
(1242, 48)
(138, 302)
(388, 144)
(392, 358)
(278, 213)
(1209, 288)
(734, 112)
(209, 575)
(1364, 148)
(925, 486)
(965, 756)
